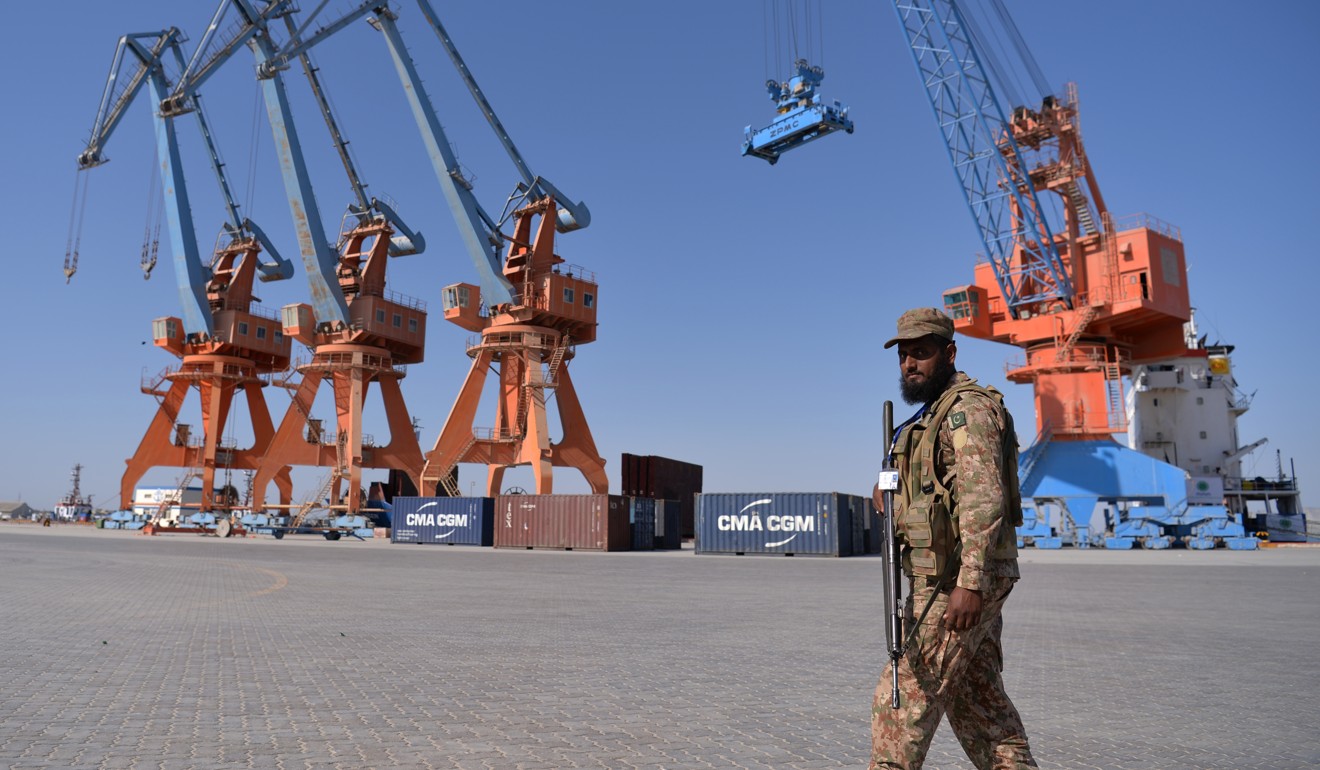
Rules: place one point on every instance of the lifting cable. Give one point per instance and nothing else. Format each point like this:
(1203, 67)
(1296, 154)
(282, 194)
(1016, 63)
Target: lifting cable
(74, 240)
(1033, 68)
(792, 28)
(985, 48)
(151, 231)
(783, 36)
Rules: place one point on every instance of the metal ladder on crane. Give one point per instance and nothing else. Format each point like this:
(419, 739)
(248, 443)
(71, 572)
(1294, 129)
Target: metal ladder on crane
(1031, 457)
(444, 479)
(1083, 320)
(1111, 256)
(309, 504)
(1114, 395)
(1083, 207)
(192, 472)
(556, 359)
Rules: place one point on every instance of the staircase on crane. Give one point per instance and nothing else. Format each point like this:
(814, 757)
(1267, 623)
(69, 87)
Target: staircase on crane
(1082, 206)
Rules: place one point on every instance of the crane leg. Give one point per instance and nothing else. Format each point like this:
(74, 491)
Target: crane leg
(578, 448)
(155, 449)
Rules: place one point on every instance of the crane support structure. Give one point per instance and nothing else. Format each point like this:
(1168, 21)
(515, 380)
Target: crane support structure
(531, 340)
(530, 315)
(359, 332)
(226, 346)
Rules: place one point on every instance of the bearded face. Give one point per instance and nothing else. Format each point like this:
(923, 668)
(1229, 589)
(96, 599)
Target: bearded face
(925, 367)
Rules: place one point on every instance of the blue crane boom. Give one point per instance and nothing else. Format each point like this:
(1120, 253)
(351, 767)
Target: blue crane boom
(191, 275)
(476, 227)
(572, 216)
(481, 232)
(406, 241)
(320, 258)
(986, 160)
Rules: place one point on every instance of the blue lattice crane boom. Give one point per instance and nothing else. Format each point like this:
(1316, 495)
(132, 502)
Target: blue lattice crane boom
(996, 184)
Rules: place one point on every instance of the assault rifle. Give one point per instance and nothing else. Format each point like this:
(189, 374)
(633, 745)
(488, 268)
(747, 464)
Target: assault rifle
(891, 563)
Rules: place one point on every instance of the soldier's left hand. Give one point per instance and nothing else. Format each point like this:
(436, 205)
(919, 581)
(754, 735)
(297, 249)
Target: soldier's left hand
(964, 609)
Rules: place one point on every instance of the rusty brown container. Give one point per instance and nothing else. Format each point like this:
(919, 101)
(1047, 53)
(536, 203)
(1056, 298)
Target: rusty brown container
(664, 479)
(570, 522)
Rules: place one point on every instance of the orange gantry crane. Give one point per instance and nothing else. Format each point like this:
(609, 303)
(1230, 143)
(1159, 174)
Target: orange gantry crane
(532, 310)
(531, 339)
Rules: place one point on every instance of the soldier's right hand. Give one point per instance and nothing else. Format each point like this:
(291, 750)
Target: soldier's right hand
(878, 499)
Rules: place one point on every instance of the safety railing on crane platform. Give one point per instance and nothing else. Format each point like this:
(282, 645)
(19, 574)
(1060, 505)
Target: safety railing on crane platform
(577, 272)
(269, 314)
(495, 434)
(1259, 484)
(1133, 221)
(532, 340)
(340, 360)
(377, 289)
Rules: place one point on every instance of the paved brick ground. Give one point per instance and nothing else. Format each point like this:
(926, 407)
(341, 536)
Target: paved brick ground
(123, 651)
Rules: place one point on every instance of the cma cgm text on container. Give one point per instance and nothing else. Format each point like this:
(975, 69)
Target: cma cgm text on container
(782, 523)
(443, 520)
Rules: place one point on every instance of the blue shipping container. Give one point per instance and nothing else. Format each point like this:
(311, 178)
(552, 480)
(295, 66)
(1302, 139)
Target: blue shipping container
(443, 520)
(641, 520)
(776, 522)
(668, 520)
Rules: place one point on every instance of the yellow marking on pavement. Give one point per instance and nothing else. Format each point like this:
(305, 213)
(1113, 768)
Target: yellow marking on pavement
(280, 582)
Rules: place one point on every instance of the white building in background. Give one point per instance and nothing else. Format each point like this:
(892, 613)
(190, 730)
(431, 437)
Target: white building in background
(165, 503)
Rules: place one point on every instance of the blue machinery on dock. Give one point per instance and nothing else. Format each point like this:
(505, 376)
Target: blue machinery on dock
(802, 116)
(1141, 501)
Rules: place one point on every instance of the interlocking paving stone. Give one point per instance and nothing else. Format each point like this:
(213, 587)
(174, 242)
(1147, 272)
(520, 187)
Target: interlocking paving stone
(177, 651)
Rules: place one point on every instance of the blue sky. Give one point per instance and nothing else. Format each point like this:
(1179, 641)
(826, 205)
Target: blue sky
(742, 307)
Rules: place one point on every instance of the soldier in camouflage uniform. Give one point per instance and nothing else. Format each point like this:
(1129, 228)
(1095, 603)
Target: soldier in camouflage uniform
(956, 507)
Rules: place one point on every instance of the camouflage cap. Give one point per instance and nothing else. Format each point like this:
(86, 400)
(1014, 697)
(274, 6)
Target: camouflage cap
(917, 323)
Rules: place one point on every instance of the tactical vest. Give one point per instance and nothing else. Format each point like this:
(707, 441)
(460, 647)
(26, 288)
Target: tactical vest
(925, 512)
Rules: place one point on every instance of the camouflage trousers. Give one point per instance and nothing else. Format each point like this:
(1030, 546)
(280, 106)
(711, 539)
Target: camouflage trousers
(954, 673)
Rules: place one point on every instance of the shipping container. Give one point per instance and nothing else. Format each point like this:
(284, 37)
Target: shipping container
(778, 523)
(571, 522)
(641, 519)
(443, 520)
(667, 517)
(864, 518)
(664, 479)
